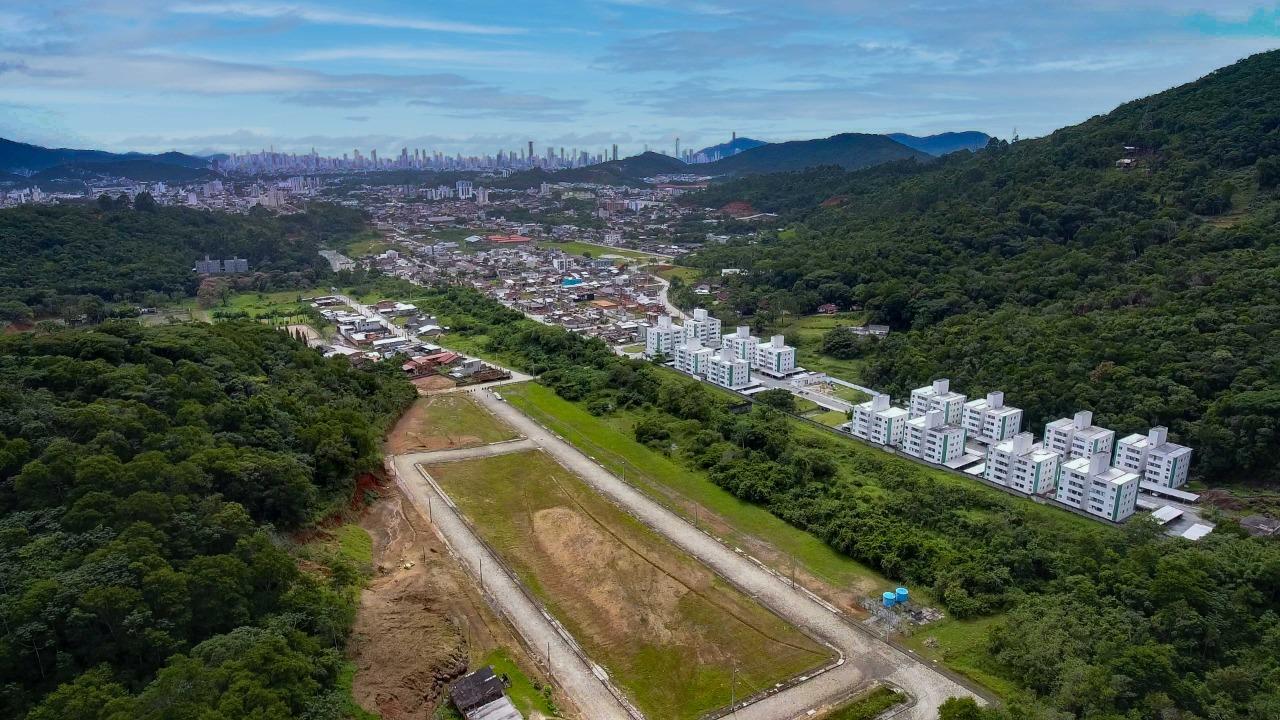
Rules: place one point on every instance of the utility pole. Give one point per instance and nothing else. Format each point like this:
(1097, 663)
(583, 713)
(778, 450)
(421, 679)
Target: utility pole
(733, 684)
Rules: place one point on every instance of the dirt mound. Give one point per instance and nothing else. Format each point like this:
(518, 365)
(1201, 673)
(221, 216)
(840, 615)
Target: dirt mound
(420, 624)
(646, 605)
(413, 432)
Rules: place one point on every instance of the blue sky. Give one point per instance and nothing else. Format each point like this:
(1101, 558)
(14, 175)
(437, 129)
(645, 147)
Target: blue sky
(476, 76)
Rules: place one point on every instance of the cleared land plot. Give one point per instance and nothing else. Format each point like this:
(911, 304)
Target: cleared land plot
(446, 422)
(578, 248)
(691, 494)
(670, 272)
(668, 630)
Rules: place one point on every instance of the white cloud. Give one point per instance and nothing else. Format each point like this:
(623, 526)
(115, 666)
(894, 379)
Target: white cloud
(324, 16)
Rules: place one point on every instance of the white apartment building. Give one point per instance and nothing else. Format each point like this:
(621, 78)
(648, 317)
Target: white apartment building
(663, 338)
(1092, 485)
(775, 357)
(938, 396)
(728, 370)
(1023, 464)
(1078, 437)
(931, 438)
(702, 327)
(877, 421)
(989, 420)
(743, 343)
(1153, 458)
(691, 357)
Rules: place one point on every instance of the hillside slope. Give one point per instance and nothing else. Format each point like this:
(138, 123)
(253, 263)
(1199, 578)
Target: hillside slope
(850, 151)
(19, 156)
(1150, 295)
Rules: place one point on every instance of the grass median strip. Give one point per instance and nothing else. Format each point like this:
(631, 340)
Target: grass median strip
(669, 631)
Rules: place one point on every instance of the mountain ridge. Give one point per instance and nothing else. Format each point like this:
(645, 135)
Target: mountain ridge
(945, 143)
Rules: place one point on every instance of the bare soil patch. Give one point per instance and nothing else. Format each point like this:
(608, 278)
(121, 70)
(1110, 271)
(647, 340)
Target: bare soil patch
(420, 623)
(445, 422)
(433, 383)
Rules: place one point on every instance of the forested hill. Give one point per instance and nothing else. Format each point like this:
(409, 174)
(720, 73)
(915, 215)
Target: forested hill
(1150, 295)
(146, 478)
(76, 258)
(847, 150)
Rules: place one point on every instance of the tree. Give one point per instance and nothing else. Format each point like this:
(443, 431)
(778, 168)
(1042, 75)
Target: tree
(778, 399)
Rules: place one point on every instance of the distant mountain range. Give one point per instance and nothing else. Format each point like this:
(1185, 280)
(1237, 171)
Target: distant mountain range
(23, 158)
(733, 147)
(848, 150)
(944, 143)
(52, 167)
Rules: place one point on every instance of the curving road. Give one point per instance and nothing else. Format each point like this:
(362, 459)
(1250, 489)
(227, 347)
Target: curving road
(866, 657)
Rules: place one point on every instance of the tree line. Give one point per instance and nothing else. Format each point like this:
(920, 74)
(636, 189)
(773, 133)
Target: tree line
(148, 478)
(1039, 268)
(101, 260)
(1095, 622)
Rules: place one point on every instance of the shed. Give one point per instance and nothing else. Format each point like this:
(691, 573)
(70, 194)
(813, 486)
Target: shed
(500, 709)
(476, 689)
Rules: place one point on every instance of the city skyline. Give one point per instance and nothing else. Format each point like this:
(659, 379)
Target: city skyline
(234, 77)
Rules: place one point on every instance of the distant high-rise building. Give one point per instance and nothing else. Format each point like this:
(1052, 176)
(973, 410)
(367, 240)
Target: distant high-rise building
(615, 151)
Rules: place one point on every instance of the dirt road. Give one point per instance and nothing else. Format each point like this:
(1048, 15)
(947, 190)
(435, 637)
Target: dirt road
(581, 681)
(866, 657)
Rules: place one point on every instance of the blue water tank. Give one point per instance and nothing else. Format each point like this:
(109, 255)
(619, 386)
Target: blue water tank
(901, 596)
(889, 599)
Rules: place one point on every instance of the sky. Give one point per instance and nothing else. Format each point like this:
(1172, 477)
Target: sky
(206, 76)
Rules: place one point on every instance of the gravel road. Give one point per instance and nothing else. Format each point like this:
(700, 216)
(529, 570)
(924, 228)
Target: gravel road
(866, 657)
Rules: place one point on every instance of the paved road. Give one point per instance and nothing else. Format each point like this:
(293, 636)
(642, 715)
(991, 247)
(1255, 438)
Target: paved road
(577, 678)
(672, 310)
(867, 658)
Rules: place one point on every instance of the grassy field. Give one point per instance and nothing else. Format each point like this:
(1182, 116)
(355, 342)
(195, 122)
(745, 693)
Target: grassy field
(669, 272)
(832, 418)
(667, 628)
(578, 248)
(446, 422)
(958, 644)
(867, 706)
(685, 491)
(807, 331)
(962, 646)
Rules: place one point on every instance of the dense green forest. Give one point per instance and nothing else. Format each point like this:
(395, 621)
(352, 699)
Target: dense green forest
(1098, 622)
(1150, 295)
(79, 260)
(146, 479)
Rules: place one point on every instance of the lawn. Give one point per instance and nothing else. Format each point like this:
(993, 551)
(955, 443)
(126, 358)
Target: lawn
(686, 491)
(527, 698)
(666, 627)
(446, 422)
